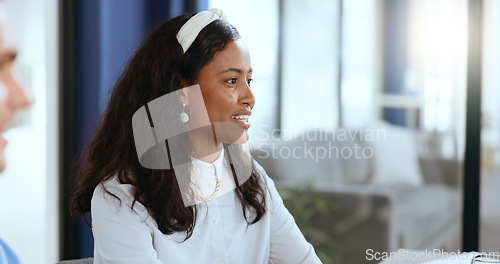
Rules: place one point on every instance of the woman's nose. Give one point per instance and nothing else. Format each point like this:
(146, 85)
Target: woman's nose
(247, 96)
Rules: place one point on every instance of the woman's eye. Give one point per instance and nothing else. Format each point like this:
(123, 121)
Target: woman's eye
(231, 81)
(249, 81)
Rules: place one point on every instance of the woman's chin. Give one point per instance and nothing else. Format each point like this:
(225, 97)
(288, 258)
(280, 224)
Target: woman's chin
(244, 138)
(230, 133)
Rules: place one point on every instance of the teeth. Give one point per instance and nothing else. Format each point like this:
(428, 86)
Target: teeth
(243, 118)
(240, 117)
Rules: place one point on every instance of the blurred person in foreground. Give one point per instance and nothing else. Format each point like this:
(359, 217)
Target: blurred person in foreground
(12, 98)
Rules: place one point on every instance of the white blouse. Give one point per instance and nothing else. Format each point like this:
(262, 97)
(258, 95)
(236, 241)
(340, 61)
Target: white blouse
(221, 235)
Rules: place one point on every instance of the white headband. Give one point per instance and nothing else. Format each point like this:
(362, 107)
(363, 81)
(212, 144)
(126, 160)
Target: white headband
(190, 30)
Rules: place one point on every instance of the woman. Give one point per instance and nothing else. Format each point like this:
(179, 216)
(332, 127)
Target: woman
(202, 209)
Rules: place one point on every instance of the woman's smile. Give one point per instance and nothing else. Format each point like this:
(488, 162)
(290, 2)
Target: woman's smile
(242, 118)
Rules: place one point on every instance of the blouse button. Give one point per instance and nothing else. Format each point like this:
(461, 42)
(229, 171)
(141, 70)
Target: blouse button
(216, 222)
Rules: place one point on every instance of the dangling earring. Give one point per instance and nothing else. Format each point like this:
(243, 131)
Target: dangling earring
(184, 116)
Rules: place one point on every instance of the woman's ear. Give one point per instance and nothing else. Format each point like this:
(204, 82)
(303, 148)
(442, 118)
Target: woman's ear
(183, 83)
(182, 94)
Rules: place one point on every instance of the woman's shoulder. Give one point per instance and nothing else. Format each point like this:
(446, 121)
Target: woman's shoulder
(112, 189)
(263, 174)
(273, 196)
(113, 197)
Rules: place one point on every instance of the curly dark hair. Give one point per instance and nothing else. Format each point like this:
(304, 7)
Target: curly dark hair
(157, 68)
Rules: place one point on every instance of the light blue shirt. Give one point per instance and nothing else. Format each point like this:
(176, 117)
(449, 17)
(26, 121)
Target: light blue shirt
(7, 256)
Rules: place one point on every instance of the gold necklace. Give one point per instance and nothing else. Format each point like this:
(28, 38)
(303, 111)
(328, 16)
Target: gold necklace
(214, 193)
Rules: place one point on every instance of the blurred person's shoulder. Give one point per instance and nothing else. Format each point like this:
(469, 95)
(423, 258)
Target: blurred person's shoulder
(7, 256)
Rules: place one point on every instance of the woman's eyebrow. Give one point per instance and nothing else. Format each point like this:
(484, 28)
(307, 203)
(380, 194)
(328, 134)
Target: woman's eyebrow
(237, 70)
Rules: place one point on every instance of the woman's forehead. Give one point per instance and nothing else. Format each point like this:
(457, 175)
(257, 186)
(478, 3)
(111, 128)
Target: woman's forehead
(234, 56)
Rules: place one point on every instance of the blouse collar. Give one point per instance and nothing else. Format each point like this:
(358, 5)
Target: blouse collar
(203, 172)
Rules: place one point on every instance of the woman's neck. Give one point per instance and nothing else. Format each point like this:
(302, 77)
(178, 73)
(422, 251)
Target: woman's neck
(205, 146)
(209, 158)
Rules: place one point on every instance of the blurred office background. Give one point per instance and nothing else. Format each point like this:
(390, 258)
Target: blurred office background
(397, 66)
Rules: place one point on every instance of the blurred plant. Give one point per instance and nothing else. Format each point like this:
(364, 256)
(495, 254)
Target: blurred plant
(307, 205)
